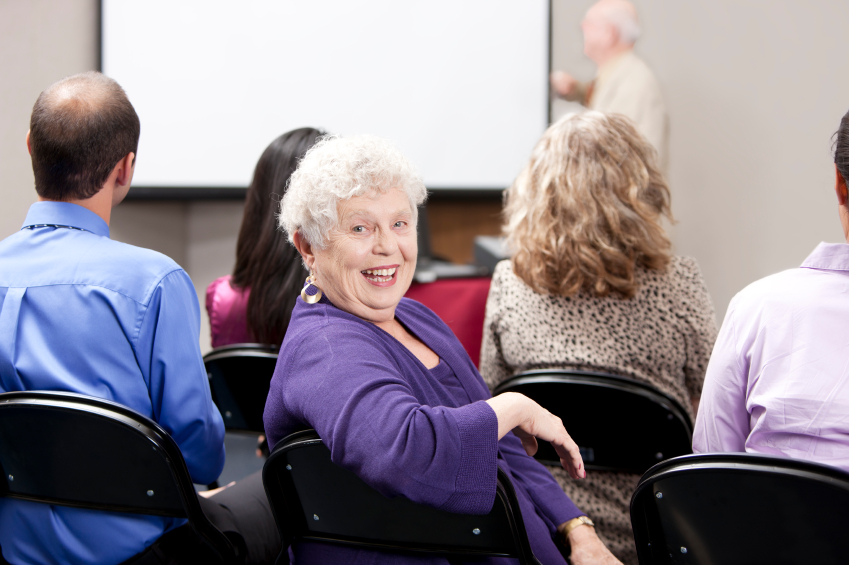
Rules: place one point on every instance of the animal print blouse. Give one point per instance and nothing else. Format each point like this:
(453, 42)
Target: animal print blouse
(662, 336)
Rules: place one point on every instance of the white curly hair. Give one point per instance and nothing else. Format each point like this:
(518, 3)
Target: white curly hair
(338, 168)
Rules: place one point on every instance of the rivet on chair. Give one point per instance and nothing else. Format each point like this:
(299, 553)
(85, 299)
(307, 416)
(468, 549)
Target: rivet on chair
(683, 549)
(476, 531)
(659, 495)
(658, 455)
(150, 493)
(11, 478)
(228, 414)
(315, 517)
(288, 467)
(669, 416)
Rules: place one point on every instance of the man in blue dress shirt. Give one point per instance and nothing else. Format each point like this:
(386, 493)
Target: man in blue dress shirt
(82, 313)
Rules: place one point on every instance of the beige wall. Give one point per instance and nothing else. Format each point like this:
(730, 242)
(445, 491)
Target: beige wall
(754, 91)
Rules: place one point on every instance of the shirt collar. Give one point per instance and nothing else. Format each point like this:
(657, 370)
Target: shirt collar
(66, 214)
(828, 257)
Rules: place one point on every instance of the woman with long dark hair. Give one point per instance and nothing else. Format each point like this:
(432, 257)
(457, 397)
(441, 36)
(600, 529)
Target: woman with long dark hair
(254, 304)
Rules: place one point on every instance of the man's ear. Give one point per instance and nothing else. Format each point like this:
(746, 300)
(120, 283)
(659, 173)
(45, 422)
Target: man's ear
(125, 169)
(305, 249)
(29, 145)
(840, 187)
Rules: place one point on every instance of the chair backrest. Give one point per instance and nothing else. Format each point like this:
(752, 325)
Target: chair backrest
(314, 499)
(75, 450)
(239, 377)
(620, 424)
(741, 508)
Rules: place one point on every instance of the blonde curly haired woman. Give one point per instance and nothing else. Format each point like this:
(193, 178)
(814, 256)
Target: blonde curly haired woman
(592, 285)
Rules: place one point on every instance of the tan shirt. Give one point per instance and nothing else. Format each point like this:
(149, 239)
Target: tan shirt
(626, 85)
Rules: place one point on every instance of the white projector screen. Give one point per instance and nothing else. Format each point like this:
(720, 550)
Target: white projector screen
(460, 85)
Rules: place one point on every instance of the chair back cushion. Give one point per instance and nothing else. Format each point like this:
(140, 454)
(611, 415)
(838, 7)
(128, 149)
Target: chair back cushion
(735, 509)
(63, 449)
(620, 424)
(313, 498)
(239, 378)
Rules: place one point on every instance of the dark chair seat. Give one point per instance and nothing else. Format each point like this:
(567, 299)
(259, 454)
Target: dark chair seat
(314, 499)
(741, 508)
(74, 450)
(619, 423)
(239, 377)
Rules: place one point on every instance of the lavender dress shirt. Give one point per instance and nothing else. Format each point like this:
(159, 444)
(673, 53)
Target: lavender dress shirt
(778, 380)
(406, 430)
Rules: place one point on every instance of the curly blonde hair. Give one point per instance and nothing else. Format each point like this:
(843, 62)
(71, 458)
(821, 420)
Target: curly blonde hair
(586, 210)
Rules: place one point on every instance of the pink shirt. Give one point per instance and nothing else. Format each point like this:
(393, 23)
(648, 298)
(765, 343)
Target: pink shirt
(778, 380)
(227, 308)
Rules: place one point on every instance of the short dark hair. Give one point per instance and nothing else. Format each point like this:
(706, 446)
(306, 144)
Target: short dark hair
(265, 261)
(841, 147)
(80, 128)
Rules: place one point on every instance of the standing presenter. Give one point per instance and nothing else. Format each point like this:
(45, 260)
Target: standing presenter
(624, 84)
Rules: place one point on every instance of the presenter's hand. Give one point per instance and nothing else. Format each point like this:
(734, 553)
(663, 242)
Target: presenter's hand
(563, 84)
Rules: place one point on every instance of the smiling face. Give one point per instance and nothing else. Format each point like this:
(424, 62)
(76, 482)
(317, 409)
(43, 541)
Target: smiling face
(368, 263)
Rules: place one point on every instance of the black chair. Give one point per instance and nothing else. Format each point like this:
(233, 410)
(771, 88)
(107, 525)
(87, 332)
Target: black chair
(741, 508)
(74, 450)
(620, 424)
(239, 377)
(314, 499)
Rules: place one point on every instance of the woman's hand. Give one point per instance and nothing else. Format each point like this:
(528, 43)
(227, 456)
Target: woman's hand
(529, 421)
(587, 549)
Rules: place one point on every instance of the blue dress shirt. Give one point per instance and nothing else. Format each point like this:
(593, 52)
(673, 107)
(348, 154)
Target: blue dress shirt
(82, 313)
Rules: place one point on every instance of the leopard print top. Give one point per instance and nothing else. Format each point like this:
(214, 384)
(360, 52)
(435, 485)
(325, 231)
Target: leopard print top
(662, 336)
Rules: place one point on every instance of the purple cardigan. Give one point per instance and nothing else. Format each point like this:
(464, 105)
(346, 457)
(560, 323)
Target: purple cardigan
(424, 434)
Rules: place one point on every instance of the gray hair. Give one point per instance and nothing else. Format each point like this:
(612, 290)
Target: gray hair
(338, 168)
(626, 25)
(625, 22)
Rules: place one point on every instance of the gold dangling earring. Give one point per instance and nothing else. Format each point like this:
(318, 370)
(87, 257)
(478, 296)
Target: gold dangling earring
(311, 298)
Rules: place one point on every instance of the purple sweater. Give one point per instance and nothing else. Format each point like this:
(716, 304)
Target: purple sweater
(405, 430)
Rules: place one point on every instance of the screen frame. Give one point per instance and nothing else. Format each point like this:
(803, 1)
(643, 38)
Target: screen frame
(190, 193)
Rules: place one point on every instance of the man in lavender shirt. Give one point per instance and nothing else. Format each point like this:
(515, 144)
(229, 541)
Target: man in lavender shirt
(778, 379)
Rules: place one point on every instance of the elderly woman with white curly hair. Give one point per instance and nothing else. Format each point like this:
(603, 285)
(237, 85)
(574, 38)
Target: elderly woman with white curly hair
(382, 379)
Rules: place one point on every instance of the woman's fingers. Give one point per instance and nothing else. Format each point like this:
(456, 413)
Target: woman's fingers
(567, 449)
(529, 421)
(572, 461)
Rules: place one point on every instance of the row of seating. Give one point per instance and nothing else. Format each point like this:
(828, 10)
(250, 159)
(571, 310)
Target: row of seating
(715, 508)
(239, 377)
(69, 449)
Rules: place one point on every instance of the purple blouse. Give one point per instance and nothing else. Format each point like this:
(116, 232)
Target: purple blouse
(405, 430)
(228, 310)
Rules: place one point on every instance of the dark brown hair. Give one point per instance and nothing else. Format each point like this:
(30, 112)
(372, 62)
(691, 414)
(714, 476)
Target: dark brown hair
(80, 128)
(266, 263)
(841, 147)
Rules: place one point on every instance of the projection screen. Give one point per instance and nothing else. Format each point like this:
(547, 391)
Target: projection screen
(460, 86)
